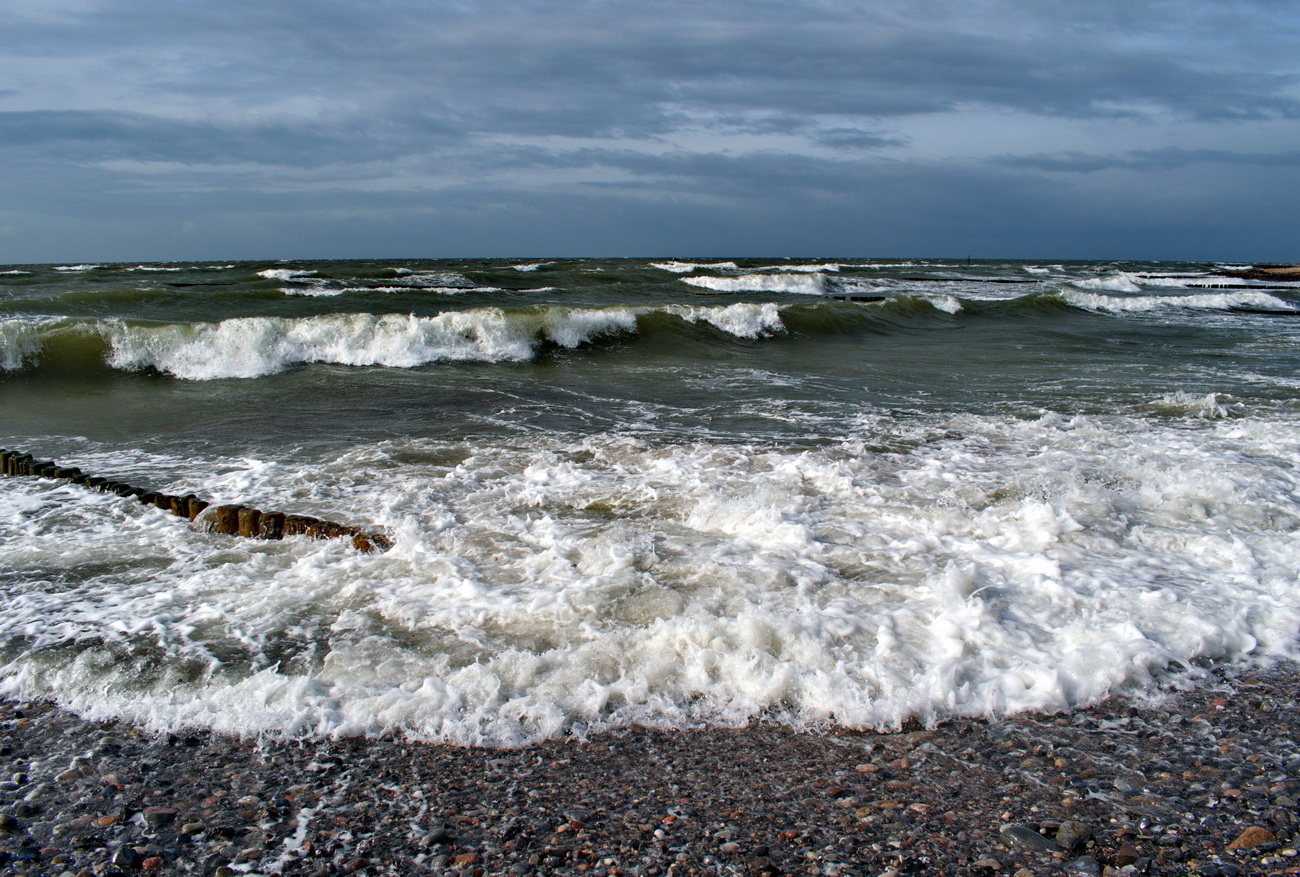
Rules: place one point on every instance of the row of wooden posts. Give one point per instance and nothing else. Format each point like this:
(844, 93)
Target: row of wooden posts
(231, 520)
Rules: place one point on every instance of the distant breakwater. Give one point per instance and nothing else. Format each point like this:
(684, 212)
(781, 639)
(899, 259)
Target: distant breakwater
(227, 519)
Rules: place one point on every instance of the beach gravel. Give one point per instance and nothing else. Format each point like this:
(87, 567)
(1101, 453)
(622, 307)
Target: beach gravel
(1201, 782)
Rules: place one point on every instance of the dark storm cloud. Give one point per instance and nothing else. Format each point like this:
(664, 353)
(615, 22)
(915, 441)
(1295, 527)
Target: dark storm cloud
(628, 108)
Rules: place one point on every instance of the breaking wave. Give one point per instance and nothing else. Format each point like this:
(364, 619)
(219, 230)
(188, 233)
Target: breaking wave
(1224, 301)
(810, 284)
(250, 347)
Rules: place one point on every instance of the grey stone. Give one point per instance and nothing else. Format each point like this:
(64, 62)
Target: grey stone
(1072, 834)
(1025, 838)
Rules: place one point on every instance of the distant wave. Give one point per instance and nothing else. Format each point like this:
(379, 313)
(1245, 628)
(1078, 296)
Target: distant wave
(802, 269)
(283, 274)
(411, 281)
(1220, 301)
(688, 267)
(1127, 281)
(812, 284)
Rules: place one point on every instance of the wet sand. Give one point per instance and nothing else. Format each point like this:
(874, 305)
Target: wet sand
(1198, 782)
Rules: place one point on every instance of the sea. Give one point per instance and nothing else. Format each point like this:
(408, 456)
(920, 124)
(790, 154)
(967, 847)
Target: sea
(857, 493)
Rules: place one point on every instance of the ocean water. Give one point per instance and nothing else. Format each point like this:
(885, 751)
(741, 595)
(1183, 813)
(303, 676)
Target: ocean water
(858, 492)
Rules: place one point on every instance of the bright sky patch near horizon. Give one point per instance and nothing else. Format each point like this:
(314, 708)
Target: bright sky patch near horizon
(191, 129)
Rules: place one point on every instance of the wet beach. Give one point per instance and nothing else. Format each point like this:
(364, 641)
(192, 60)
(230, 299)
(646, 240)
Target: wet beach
(1201, 781)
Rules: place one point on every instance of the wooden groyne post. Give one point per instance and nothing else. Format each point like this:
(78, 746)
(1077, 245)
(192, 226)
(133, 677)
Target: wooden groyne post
(229, 520)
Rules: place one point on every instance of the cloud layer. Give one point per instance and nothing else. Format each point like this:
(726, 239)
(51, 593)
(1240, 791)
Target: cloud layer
(152, 129)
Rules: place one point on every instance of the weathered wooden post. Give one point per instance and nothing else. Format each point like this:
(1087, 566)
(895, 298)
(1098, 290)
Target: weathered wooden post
(271, 526)
(248, 521)
(228, 519)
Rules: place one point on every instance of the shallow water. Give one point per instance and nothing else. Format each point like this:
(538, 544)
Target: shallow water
(624, 491)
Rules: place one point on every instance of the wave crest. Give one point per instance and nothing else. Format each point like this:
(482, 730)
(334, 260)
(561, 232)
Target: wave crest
(250, 347)
(800, 284)
(1224, 301)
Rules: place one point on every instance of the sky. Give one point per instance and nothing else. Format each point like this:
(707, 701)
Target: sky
(257, 129)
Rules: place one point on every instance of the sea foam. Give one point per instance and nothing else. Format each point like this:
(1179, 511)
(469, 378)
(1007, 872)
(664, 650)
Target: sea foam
(554, 586)
(1203, 301)
(813, 284)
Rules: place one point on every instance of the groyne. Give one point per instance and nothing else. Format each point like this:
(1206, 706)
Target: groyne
(227, 519)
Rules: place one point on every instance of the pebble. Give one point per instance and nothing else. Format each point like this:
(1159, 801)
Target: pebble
(127, 857)
(1026, 838)
(1071, 834)
(157, 817)
(976, 799)
(1253, 836)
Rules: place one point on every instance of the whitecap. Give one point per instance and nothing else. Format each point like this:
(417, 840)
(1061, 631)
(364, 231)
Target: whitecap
(1224, 301)
(813, 284)
(688, 267)
(285, 274)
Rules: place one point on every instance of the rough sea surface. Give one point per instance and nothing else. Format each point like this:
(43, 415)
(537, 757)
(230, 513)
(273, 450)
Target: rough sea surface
(624, 492)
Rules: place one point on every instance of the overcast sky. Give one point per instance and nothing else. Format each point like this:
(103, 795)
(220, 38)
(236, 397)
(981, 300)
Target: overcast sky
(198, 129)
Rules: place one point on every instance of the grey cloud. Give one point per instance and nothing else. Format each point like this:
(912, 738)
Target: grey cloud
(90, 136)
(600, 68)
(1169, 158)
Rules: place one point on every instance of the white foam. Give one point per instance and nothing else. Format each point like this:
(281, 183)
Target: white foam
(13, 273)
(76, 267)
(1205, 301)
(828, 267)
(949, 304)
(315, 290)
(813, 284)
(440, 280)
(688, 267)
(1130, 281)
(531, 266)
(567, 584)
(742, 320)
(155, 268)
(285, 274)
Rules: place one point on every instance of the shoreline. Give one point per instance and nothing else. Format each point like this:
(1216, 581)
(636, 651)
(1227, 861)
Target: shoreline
(1203, 781)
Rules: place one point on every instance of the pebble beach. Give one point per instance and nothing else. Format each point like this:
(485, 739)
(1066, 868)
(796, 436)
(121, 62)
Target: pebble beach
(1197, 781)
